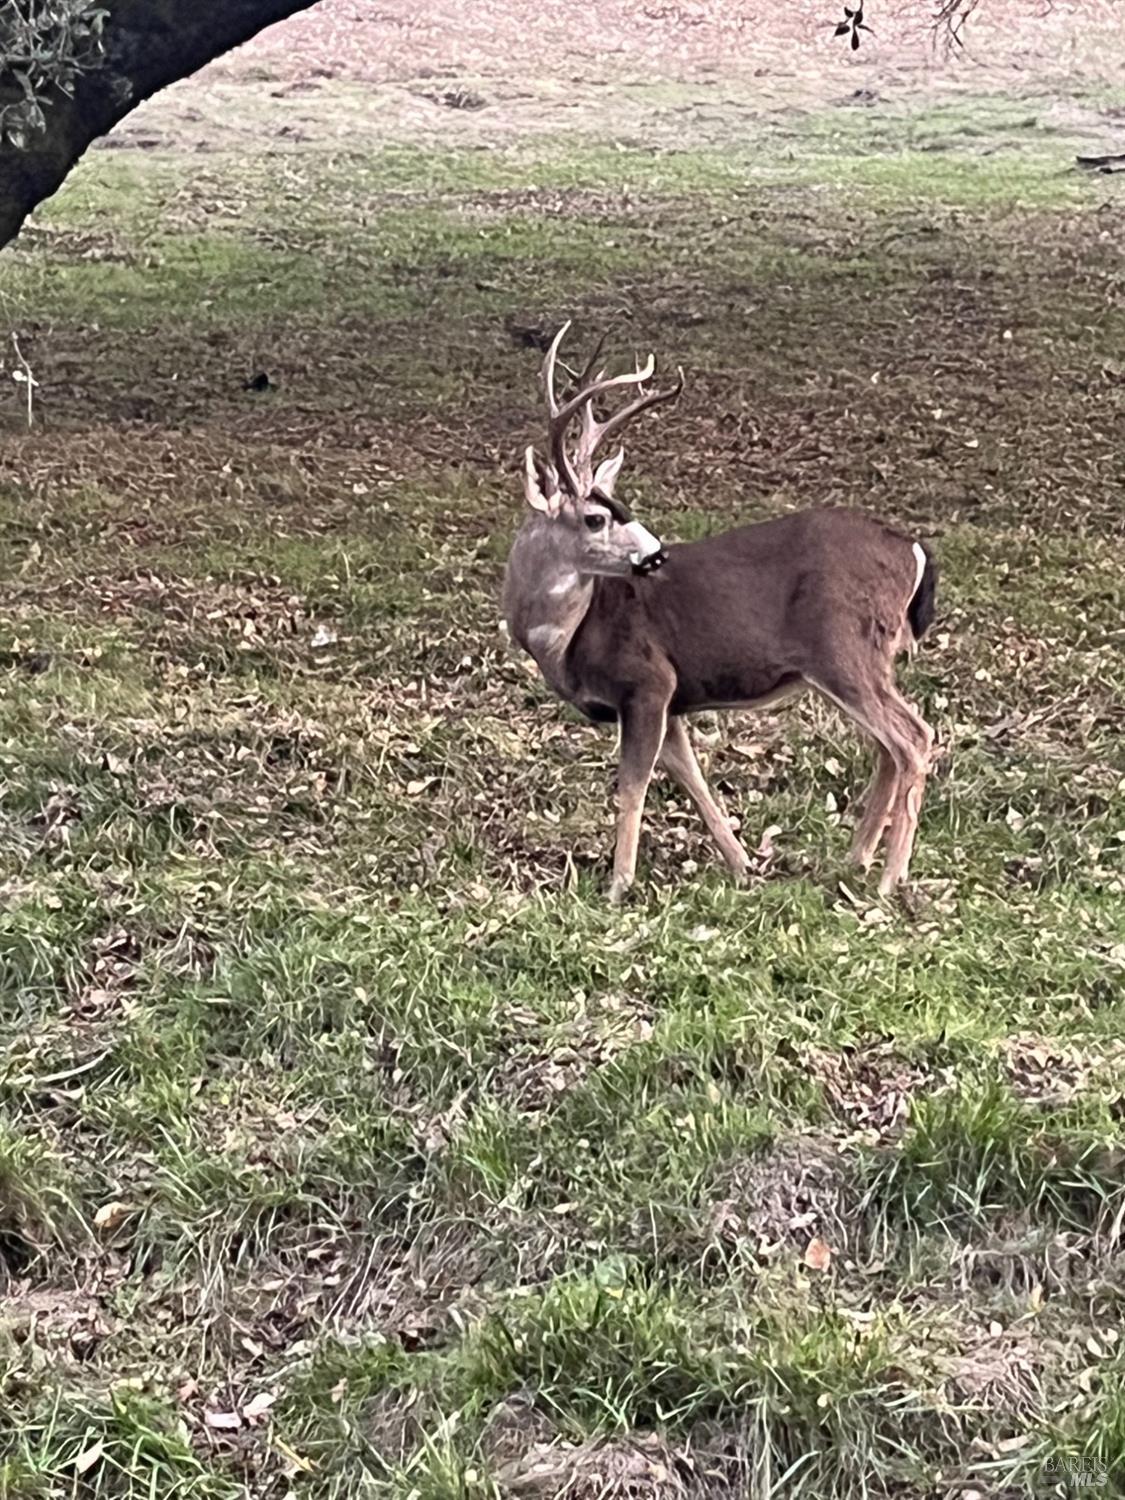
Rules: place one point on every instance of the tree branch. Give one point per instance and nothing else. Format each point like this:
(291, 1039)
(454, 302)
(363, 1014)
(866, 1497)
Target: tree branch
(950, 19)
(148, 44)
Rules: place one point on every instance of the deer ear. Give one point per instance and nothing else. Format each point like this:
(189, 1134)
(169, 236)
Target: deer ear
(540, 484)
(608, 470)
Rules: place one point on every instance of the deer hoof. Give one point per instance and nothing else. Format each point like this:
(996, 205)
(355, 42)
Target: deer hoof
(619, 889)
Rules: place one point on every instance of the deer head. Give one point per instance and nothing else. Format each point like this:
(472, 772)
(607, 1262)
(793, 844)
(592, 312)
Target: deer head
(597, 532)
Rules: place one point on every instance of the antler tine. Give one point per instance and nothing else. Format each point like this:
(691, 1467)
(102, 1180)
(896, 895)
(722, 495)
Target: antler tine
(598, 387)
(547, 373)
(557, 420)
(595, 433)
(592, 362)
(573, 472)
(560, 417)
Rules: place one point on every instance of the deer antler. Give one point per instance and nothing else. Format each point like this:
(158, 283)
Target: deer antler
(594, 433)
(556, 428)
(576, 476)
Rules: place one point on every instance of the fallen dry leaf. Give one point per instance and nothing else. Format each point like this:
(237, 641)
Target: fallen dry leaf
(89, 1457)
(1010, 1445)
(818, 1255)
(258, 1407)
(110, 1216)
(223, 1421)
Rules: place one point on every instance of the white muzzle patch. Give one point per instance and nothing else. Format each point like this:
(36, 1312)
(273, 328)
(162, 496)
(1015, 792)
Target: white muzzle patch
(644, 543)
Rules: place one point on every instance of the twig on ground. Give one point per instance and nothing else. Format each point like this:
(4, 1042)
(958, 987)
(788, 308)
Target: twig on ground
(23, 376)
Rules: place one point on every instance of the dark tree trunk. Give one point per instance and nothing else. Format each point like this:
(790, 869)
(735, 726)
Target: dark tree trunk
(148, 45)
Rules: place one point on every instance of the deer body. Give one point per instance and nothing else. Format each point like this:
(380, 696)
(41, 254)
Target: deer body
(631, 633)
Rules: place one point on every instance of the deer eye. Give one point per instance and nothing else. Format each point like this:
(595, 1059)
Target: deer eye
(594, 521)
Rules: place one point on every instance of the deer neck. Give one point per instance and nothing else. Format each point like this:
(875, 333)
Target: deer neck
(545, 601)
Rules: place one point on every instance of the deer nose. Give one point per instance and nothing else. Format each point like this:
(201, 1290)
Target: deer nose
(650, 563)
(646, 548)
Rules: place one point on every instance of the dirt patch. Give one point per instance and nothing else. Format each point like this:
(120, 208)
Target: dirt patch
(433, 71)
(621, 39)
(644, 1468)
(244, 614)
(790, 1194)
(1047, 1072)
(68, 1322)
(588, 1041)
(997, 1367)
(868, 1088)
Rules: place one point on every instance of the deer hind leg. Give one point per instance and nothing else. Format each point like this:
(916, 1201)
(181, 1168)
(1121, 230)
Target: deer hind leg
(877, 807)
(642, 733)
(905, 744)
(917, 739)
(678, 759)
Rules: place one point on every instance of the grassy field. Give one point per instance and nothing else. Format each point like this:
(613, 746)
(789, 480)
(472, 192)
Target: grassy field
(349, 1144)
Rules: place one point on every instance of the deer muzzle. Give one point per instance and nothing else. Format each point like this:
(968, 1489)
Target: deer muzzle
(650, 563)
(647, 554)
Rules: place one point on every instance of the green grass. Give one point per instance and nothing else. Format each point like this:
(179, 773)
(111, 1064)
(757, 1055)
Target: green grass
(349, 1143)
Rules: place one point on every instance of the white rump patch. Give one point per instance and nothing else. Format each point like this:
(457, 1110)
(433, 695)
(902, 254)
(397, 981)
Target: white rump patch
(920, 557)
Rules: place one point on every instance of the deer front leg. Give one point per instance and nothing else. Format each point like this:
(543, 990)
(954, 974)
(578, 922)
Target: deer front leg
(678, 759)
(642, 734)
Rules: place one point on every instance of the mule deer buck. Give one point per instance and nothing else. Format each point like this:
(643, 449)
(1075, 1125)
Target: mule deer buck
(631, 632)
